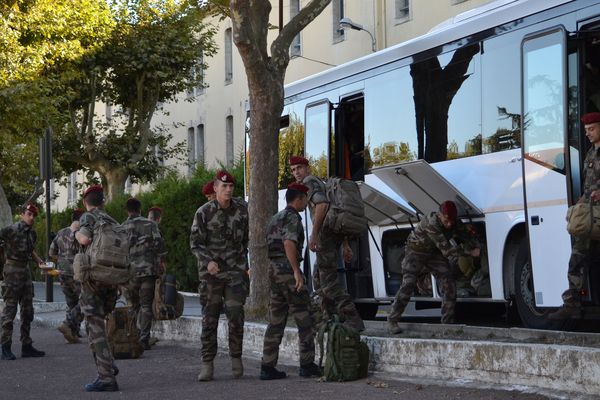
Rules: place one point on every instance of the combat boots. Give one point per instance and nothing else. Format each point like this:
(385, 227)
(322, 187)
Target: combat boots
(394, 328)
(268, 373)
(68, 333)
(310, 370)
(7, 354)
(27, 350)
(100, 386)
(565, 312)
(206, 374)
(237, 368)
(145, 344)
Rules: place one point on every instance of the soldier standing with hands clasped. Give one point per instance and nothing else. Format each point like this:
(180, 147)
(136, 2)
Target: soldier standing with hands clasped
(285, 240)
(219, 240)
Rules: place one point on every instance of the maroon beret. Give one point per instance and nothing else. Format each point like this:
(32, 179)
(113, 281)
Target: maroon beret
(590, 118)
(93, 188)
(300, 187)
(155, 208)
(32, 209)
(225, 177)
(208, 188)
(448, 208)
(295, 160)
(78, 212)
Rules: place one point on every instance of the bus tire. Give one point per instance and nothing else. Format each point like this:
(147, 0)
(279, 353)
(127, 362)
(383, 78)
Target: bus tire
(367, 311)
(531, 316)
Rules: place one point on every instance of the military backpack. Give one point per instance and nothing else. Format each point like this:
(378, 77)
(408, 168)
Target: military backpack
(123, 334)
(346, 356)
(168, 302)
(346, 214)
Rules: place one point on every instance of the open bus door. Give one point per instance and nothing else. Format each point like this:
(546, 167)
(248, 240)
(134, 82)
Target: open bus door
(545, 165)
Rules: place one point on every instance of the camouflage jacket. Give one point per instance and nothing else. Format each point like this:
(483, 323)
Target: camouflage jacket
(591, 172)
(221, 235)
(64, 247)
(146, 246)
(285, 225)
(19, 241)
(431, 236)
(316, 193)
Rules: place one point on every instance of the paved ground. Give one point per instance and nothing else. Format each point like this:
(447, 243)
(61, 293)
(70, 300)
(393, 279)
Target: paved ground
(170, 371)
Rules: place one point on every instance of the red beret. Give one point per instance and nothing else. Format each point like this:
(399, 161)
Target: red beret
(295, 160)
(78, 212)
(208, 188)
(448, 208)
(155, 208)
(32, 209)
(590, 118)
(225, 177)
(93, 188)
(300, 187)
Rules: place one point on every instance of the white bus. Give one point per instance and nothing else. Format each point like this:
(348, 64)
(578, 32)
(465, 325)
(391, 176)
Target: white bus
(484, 111)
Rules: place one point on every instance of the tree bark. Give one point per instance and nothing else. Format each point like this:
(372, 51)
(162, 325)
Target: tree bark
(115, 182)
(5, 210)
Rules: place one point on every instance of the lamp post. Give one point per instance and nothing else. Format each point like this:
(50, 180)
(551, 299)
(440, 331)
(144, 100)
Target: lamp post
(348, 23)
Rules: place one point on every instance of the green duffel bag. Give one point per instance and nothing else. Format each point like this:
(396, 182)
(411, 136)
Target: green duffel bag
(583, 219)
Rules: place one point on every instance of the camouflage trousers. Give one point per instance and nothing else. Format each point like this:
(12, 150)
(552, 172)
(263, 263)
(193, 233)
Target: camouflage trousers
(413, 265)
(140, 297)
(71, 289)
(335, 299)
(285, 299)
(17, 290)
(231, 295)
(96, 302)
(582, 250)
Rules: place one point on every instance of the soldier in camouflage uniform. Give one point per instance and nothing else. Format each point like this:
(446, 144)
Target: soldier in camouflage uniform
(335, 299)
(17, 288)
(433, 247)
(583, 250)
(208, 190)
(97, 300)
(146, 255)
(219, 240)
(62, 250)
(285, 240)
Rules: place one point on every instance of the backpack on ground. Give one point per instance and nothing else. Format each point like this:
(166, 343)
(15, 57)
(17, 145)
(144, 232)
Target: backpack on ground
(168, 302)
(346, 214)
(123, 334)
(109, 252)
(346, 356)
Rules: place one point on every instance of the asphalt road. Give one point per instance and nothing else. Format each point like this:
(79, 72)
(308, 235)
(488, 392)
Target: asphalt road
(170, 370)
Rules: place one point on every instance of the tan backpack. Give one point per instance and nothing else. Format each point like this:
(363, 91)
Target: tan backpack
(168, 302)
(123, 334)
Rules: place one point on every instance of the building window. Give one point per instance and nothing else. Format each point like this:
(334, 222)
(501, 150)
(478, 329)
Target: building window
(402, 10)
(229, 141)
(200, 74)
(191, 147)
(200, 144)
(296, 46)
(228, 55)
(337, 7)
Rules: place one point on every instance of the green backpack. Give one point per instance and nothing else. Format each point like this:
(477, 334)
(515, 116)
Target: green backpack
(347, 356)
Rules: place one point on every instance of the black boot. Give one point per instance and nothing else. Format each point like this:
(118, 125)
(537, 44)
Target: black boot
(7, 354)
(145, 344)
(99, 386)
(310, 370)
(27, 350)
(270, 373)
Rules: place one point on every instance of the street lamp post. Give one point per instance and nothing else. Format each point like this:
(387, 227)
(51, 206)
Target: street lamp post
(348, 23)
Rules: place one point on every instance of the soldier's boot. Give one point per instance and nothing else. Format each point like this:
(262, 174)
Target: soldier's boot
(268, 373)
(27, 350)
(311, 370)
(394, 328)
(145, 344)
(101, 386)
(7, 354)
(206, 374)
(152, 341)
(237, 368)
(68, 333)
(115, 369)
(567, 311)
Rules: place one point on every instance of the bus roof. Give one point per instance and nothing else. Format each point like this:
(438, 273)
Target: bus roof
(487, 16)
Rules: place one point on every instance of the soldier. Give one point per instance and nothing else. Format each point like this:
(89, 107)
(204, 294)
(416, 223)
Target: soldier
(209, 190)
(432, 247)
(582, 248)
(335, 299)
(97, 300)
(285, 240)
(62, 251)
(155, 214)
(17, 288)
(219, 240)
(146, 255)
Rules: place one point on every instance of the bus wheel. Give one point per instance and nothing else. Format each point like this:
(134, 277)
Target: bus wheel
(367, 311)
(531, 316)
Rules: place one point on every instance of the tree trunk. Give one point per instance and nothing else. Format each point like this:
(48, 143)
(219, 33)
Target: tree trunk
(115, 183)
(5, 210)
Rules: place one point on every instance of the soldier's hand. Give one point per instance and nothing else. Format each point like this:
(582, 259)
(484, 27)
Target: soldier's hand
(312, 243)
(475, 252)
(595, 195)
(299, 278)
(348, 254)
(213, 268)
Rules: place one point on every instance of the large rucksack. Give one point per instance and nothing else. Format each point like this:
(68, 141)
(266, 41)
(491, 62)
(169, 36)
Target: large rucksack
(346, 356)
(109, 252)
(346, 214)
(168, 302)
(123, 334)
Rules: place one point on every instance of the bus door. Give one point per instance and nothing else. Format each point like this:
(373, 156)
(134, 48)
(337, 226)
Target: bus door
(544, 132)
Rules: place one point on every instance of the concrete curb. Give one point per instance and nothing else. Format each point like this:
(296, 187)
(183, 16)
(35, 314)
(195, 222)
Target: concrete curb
(563, 368)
